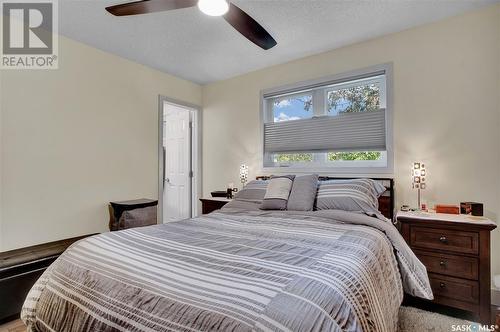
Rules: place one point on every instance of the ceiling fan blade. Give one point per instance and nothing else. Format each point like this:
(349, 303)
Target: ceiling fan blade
(149, 6)
(249, 28)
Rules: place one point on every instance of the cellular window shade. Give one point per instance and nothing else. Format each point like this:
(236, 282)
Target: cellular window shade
(363, 131)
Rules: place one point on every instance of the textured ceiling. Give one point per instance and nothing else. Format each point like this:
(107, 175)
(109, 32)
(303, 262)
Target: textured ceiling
(203, 49)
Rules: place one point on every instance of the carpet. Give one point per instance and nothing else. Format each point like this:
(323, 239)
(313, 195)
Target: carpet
(413, 319)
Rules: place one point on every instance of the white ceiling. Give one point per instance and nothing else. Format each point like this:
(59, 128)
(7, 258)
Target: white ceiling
(203, 49)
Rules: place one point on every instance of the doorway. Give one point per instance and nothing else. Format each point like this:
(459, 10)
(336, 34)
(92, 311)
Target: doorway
(179, 160)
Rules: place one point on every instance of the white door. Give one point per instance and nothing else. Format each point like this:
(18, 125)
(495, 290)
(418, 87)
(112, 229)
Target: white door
(177, 164)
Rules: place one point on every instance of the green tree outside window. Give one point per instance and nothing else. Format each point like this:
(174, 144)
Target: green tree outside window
(363, 98)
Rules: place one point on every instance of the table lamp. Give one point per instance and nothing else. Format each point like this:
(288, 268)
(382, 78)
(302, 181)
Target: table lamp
(243, 174)
(418, 174)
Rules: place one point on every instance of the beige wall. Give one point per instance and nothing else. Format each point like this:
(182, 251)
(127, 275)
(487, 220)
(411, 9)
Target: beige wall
(1, 162)
(446, 109)
(75, 138)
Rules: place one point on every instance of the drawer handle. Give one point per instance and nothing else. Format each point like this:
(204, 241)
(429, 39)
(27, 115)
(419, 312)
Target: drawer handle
(442, 285)
(443, 239)
(442, 263)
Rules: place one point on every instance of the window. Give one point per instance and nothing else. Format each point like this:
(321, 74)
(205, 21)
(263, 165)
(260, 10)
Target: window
(294, 107)
(342, 122)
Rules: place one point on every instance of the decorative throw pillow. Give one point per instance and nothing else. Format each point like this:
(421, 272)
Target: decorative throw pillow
(357, 195)
(277, 192)
(250, 197)
(253, 191)
(138, 217)
(303, 193)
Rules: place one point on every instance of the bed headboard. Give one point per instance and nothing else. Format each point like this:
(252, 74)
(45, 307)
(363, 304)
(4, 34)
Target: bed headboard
(385, 202)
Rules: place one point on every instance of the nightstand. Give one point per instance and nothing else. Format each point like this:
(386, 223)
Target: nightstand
(455, 249)
(213, 203)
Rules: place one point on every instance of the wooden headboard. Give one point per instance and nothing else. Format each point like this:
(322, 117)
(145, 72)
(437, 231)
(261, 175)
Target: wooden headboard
(385, 202)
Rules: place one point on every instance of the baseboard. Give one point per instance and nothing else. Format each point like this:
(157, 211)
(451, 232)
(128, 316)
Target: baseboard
(495, 296)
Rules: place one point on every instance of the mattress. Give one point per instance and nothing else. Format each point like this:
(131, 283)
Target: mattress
(233, 270)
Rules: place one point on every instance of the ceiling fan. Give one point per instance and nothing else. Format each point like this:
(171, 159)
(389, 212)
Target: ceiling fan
(240, 20)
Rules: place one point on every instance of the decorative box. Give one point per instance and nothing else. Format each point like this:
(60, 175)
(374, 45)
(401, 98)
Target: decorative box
(443, 208)
(473, 208)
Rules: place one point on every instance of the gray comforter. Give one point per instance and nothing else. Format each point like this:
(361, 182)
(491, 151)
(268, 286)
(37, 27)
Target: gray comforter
(232, 271)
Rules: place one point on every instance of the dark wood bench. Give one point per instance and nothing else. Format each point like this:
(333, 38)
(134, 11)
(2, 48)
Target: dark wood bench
(20, 268)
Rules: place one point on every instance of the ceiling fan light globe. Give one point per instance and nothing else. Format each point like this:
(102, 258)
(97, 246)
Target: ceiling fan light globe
(213, 7)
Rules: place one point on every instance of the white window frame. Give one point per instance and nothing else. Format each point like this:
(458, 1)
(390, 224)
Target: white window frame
(320, 163)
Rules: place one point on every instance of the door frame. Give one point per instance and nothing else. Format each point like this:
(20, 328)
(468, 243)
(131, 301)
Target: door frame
(196, 154)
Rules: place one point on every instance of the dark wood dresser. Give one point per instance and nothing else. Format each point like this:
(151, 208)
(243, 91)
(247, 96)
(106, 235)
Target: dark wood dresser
(455, 249)
(213, 203)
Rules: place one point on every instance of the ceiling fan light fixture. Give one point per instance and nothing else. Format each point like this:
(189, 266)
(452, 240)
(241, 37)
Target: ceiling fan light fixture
(213, 7)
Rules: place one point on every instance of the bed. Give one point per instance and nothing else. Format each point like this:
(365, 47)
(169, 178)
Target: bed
(232, 270)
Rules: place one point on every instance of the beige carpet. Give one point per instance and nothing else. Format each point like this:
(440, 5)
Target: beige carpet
(14, 326)
(413, 320)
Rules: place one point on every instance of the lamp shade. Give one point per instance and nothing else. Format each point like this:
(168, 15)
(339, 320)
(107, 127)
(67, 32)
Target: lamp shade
(418, 174)
(243, 173)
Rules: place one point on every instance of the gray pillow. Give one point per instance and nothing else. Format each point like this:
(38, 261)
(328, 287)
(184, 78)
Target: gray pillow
(357, 195)
(277, 192)
(303, 193)
(254, 191)
(138, 217)
(250, 197)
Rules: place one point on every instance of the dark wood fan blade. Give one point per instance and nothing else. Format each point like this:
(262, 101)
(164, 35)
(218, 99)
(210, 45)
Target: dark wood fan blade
(149, 6)
(249, 28)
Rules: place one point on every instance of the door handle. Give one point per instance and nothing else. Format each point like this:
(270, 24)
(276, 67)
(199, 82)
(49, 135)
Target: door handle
(167, 180)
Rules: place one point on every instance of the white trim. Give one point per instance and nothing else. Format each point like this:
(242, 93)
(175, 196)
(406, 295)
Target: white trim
(389, 88)
(294, 95)
(161, 166)
(495, 296)
(326, 80)
(196, 154)
(326, 83)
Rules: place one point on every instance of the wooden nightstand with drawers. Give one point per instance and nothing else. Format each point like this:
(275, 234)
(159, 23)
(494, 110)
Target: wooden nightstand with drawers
(455, 249)
(212, 203)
